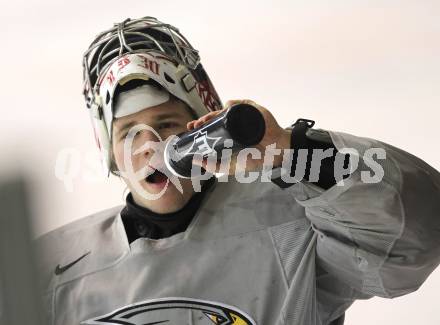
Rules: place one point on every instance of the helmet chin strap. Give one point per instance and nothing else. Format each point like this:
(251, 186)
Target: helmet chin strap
(138, 99)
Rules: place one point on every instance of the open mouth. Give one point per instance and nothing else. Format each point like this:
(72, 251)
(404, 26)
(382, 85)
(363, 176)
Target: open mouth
(156, 177)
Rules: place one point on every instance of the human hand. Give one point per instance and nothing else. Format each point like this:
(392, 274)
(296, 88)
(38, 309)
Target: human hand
(274, 139)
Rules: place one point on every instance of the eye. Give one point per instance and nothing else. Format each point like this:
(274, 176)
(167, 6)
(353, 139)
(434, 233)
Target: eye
(124, 134)
(167, 125)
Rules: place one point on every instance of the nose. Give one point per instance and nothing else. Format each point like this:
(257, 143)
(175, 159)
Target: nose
(147, 143)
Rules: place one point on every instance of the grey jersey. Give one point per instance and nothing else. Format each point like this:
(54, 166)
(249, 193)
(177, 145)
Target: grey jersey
(255, 253)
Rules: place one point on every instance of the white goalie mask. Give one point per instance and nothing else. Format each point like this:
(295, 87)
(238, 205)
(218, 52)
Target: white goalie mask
(144, 49)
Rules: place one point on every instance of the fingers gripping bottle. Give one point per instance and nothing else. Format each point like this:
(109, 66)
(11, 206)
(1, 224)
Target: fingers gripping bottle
(240, 126)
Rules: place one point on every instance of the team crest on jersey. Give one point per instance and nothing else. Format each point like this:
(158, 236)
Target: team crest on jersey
(174, 311)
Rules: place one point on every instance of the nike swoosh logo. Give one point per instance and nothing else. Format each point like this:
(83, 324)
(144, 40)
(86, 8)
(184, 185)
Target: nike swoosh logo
(61, 269)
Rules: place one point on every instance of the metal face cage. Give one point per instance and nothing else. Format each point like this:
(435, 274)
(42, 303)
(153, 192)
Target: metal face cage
(133, 36)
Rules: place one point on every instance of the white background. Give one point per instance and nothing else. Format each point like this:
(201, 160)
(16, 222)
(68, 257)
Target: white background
(369, 68)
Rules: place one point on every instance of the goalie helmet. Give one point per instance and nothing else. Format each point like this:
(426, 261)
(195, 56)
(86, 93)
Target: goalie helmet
(144, 49)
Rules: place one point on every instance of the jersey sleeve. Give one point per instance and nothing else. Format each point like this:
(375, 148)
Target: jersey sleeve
(379, 228)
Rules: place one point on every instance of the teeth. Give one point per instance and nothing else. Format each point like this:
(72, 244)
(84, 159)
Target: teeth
(148, 171)
(151, 179)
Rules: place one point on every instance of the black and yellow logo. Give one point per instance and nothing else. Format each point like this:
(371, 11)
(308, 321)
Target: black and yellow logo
(174, 311)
